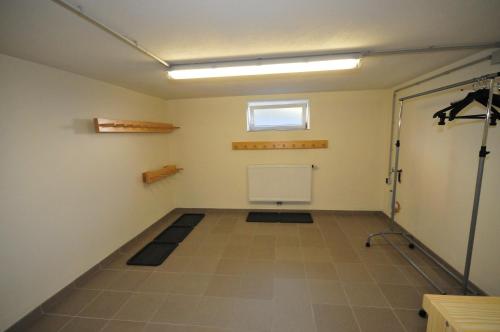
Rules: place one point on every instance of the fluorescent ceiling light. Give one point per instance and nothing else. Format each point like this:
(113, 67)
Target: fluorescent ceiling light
(264, 67)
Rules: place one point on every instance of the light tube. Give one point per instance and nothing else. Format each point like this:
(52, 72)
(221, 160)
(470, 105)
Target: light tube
(263, 67)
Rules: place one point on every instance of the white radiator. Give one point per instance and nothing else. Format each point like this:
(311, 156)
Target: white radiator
(279, 183)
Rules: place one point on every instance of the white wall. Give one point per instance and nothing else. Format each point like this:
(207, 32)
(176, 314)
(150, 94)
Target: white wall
(351, 171)
(439, 172)
(69, 197)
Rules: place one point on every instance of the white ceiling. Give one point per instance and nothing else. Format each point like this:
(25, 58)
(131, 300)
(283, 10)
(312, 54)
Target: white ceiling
(180, 31)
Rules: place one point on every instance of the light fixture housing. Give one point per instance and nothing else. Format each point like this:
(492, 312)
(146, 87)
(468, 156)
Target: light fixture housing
(265, 66)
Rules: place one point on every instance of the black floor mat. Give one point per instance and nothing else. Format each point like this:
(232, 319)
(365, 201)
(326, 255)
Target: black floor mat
(188, 220)
(152, 254)
(173, 234)
(283, 217)
(288, 217)
(263, 217)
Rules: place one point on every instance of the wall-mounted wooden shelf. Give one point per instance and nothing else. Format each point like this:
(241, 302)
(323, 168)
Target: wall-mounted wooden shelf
(153, 176)
(276, 145)
(128, 126)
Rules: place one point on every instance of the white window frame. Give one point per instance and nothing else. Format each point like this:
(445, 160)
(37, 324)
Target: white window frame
(263, 104)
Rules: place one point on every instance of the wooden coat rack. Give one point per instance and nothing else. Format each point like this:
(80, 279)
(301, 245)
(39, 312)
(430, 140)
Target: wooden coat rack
(129, 126)
(153, 176)
(275, 145)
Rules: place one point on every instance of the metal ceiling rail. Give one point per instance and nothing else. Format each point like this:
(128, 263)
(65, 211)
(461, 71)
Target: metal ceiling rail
(79, 11)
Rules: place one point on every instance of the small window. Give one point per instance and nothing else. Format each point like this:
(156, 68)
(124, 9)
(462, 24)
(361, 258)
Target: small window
(278, 115)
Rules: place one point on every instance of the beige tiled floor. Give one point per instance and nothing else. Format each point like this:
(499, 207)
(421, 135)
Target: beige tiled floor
(230, 275)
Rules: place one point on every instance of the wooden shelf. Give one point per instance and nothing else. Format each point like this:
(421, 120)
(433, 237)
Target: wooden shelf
(277, 145)
(128, 126)
(153, 176)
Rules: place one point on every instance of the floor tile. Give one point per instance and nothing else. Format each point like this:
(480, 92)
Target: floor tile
(129, 280)
(140, 307)
(316, 254)
(293, 290)
(262, 252)
(320, 270)
(189, 283)
(123, 326)
(231, 267)
(48, 323)
(71, 303)
(84, 325)
(256, 288)
(100, 280)
(177, 309)
(252, 315)
(289, 253)
(223, 286)
(157, 282)
(365, 294)
(105, 305)
(326, 292)
(287, 241)
(377, 320)
(388, 274)
(331, 318)
(289, 269)
(292, 316)
(403, 297)
(264, 240)
(372, 255)
(259, 268)
(202, 265)
(213, 311)
(353, 272)
(175, 264)
(236, 251)
(344, 255)
(210, 250)
(411, 321)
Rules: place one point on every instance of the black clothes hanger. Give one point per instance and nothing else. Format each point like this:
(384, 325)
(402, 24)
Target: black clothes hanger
(480, 96)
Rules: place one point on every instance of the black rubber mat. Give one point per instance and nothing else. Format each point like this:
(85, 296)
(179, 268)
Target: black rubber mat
(173, 234)
(296, 217)
(263, 217)
(283, 217)
(189, 220)
(152, 254)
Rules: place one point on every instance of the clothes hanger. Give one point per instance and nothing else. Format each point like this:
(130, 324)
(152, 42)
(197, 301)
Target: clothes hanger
(481, 96)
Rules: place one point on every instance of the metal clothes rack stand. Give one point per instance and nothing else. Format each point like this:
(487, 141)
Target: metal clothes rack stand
(490, 79)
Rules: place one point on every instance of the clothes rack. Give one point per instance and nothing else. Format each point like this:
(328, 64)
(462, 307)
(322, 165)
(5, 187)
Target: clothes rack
(396, 172)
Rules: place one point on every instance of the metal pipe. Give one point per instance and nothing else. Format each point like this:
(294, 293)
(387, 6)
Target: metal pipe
(451, 86)
(393, 111)
(431, 257)
(129, 41)
(431, 49)
(415, 266)
(430, 78)
(395, 171)
(477, 192)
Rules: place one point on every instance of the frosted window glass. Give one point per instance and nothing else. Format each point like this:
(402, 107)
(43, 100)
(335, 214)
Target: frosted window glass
(278, 115)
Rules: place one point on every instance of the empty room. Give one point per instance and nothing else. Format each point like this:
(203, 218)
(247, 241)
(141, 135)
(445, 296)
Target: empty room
(249, 166)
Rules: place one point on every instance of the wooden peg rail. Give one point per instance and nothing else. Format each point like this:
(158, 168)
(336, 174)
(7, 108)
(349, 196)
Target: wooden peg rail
(276, 145)
(153, 176)
(128, 126)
